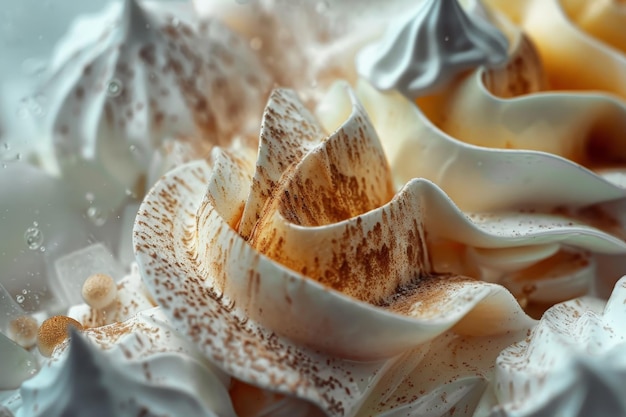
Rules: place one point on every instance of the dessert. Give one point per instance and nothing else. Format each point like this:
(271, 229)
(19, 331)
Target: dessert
(357, 214)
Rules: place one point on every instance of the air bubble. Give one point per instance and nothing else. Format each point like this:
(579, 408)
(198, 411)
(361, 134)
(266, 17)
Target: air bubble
(20, 299)
(96, 216)
(33, 237)
(114, 88)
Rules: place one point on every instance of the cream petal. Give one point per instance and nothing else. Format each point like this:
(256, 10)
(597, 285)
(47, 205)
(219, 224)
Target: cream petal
(501, 179)
(449, 379)
(584, 127)
(288, 132)
(511, 259)
(566, 275)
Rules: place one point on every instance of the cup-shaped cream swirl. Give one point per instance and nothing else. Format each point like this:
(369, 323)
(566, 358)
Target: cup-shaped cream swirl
(288, 269)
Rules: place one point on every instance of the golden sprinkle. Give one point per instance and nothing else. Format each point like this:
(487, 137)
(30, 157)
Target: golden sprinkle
(53, 332)
(99, 291)
(23, 330)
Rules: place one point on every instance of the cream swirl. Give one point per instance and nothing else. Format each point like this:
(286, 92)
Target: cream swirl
(312, 240)
(126, 369)
(572, 364)
(123, 81)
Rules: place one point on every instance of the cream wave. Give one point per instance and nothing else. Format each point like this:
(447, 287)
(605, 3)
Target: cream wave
(225, 262)
(564, 32)
(572, 364)
(124, 81)
(514, 108)
(137, 366)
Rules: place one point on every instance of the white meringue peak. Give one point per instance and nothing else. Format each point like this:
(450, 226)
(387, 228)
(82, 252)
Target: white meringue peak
(124, 80)
(427, 51)
(144, 368)
(572, 364)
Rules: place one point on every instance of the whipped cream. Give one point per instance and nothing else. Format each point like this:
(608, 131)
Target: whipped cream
(427, 51)
(572, 364)
(238, 270)
(125, 369)
(123, 81)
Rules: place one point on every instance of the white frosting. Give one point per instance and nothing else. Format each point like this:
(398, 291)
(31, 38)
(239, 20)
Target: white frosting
(124, 80)
(572, 364)
(428, 50)
(139, 366)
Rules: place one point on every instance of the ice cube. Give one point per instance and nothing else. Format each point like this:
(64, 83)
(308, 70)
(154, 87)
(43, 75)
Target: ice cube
(16, 364)
(9, 309)
(73, 269)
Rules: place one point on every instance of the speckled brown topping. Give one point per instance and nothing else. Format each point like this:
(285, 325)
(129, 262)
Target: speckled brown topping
(53, 332)
(345, 184)
(523, 74)
(210, 319)
(23, 331)
(288, 132)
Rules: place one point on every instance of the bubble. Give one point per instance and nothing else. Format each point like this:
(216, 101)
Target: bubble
(114, 88)
(90, 197)
(20, 299)
(132, 148)
(33, 237)
(96, 216)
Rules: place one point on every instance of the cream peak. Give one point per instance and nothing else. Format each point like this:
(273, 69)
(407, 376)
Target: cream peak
(426, 52)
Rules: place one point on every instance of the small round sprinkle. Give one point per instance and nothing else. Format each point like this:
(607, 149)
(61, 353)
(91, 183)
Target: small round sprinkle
(99, 291)
(53, 332)
(23, 330)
